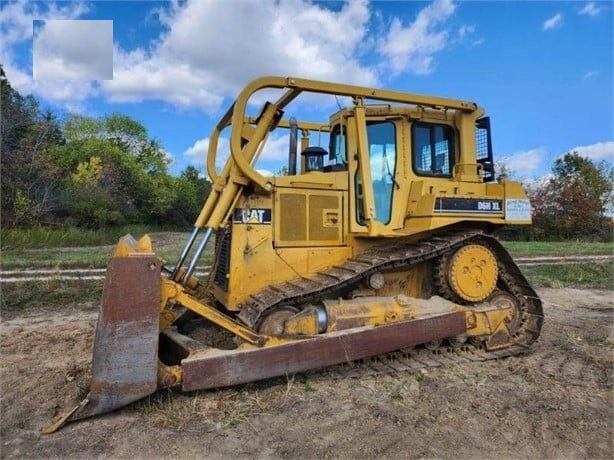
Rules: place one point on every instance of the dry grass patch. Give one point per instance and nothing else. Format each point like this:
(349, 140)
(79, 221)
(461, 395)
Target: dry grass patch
(213, 410)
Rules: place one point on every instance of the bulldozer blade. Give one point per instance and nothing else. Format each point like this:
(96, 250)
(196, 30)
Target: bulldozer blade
(125, 362)
(213, 368)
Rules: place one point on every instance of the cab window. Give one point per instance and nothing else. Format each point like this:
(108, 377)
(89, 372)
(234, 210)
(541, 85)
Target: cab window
(433, 149)
(337, 145)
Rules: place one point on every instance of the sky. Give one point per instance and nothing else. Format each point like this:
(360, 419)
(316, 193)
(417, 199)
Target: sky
(542, 70)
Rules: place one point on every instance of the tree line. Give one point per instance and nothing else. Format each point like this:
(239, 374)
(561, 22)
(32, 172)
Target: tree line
(87, 172)
(574, 202)
(96, 172)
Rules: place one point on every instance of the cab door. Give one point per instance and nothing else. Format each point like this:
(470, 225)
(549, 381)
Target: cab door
(373, 175)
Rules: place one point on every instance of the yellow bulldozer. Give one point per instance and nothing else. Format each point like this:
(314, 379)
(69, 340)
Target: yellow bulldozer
(379, 238)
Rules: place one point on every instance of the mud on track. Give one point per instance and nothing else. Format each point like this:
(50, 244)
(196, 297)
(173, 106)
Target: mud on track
(555, 402)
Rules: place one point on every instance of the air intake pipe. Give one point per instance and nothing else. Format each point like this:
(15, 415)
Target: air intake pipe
(293, 148)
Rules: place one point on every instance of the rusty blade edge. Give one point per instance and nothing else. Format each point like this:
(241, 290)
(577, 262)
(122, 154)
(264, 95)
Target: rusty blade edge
(59, 421)
(214, 368)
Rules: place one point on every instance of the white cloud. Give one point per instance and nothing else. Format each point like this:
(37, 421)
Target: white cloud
(199, 149)
(597, 151)
(208, 50)
(275, 150)
(466, 33)
(265, 172)
(73, 50)
(16, 23)
(465, 30)
(70, 94)
(591, 74)
(137, 77)
(299, 37)
(590, 9)
(197, 62)
(412, 48)
(536, 185)
(553, 22)
(524, 163)
(16, 18)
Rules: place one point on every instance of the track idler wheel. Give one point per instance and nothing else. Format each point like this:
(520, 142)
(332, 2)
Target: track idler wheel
(502, 299)
(274, 322)
(469, 274)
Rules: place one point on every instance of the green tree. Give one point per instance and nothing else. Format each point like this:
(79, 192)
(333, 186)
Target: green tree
(29, 177)
(134, 184)
(191, 191)
(573, 203)
(124, 132)
(95, 188)
(87, 171)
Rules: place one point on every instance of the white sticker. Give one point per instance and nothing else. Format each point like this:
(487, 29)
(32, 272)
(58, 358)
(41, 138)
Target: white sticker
(517, 210)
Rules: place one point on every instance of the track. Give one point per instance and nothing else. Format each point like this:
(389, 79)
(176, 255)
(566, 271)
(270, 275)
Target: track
(407, 360)
(391, 256)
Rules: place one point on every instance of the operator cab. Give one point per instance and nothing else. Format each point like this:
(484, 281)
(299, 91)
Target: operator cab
(395, 148)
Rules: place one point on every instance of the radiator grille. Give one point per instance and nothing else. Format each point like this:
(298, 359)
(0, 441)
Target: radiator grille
(222, 252)
(293, 226)
(317, 230)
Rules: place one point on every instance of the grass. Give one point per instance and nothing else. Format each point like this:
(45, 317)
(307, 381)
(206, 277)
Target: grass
(23, 296)
(578, 275)
(53, 295)
(46, 238)
(217, 409)
(557, 248)
(70, 247)
(167, 245)
(84, 257)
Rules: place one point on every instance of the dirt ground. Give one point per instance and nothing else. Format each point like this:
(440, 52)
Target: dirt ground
(555, 402)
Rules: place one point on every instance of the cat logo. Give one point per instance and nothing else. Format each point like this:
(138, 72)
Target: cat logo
(252, 216)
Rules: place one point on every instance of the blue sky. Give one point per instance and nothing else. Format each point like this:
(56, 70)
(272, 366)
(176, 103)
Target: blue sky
(542, 70)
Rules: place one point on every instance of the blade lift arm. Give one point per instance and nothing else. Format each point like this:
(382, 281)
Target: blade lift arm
(228, 186)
